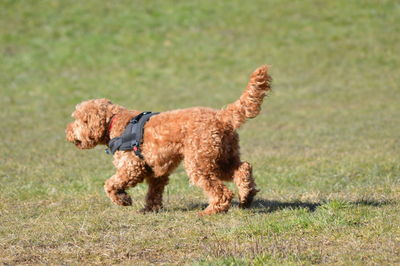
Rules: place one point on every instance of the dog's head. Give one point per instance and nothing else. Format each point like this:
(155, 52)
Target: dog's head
(90, 125)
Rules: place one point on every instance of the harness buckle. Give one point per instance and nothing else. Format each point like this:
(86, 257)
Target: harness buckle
(136, 150)
(134, 144)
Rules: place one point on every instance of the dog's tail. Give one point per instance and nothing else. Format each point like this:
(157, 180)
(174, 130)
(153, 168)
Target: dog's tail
(249, 104)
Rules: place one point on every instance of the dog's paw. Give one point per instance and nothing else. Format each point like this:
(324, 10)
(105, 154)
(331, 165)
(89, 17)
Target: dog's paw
(122, 199)
(246, 202)
(148, 209)
(210, 210)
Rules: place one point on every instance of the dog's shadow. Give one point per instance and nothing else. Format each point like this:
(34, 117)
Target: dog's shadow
(269, 206)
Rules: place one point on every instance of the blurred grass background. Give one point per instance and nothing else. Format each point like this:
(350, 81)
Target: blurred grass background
(325, 148)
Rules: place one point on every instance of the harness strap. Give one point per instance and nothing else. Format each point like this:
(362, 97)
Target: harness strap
(132, 137)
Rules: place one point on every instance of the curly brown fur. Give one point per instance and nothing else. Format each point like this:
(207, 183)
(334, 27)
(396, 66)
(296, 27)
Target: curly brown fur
(204, 138)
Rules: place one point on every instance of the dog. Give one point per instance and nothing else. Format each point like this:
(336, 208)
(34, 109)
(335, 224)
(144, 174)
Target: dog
(204, 139)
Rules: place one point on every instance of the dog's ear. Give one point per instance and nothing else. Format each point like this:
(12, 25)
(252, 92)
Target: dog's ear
(96, 118)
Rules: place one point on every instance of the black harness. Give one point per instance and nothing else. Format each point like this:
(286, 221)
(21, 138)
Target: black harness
(132, 136)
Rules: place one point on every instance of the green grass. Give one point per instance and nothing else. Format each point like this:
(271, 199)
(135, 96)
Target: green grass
(325, 149)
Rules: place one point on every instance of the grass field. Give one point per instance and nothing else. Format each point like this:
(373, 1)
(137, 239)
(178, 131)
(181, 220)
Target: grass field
(325, 149)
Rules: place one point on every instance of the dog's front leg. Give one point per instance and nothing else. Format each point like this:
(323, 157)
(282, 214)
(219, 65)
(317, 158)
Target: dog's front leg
(155, 192)
(130, 172)
(115, 189)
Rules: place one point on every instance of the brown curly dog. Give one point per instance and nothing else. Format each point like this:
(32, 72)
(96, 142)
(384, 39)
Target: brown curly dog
(204, 138)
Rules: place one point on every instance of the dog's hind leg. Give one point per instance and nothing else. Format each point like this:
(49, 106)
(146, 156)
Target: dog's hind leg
(130, 171)
(219, 196)
(243, 178)
(155, 193)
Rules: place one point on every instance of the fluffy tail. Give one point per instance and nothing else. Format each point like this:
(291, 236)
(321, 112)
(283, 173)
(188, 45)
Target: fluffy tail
(249, 104)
